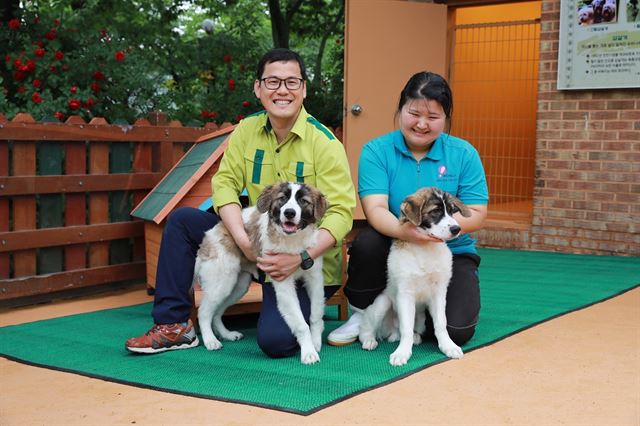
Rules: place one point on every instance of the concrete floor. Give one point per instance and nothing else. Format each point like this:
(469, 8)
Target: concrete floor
(580, 369)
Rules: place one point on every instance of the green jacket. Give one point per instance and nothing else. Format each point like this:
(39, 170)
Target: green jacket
(310, 154)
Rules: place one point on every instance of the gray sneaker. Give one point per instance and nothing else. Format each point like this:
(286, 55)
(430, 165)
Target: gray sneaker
(347, 333)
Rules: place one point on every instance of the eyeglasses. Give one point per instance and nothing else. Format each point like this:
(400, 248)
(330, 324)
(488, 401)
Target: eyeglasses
(274, 83)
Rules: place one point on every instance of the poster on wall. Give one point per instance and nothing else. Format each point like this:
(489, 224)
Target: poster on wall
(599, 44)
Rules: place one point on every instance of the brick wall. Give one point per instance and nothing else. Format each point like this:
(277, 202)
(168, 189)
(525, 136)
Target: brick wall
(587, 188)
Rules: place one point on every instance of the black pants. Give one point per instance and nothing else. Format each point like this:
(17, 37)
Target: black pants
(368, 277)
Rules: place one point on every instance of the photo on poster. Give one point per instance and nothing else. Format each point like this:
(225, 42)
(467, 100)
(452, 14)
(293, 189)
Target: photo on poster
(599, 46)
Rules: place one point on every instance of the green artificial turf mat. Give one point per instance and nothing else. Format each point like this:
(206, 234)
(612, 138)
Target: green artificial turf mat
(519, 289)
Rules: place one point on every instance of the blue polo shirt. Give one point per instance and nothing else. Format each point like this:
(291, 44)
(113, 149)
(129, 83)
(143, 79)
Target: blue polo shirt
(452, 164)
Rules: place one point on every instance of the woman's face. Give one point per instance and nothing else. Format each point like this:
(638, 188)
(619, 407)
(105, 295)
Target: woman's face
(421, 122)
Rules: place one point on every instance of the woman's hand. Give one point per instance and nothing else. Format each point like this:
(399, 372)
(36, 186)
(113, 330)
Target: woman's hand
(411, 233)
(279, 266)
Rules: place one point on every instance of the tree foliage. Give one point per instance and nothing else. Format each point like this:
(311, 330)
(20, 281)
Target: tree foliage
(195, 60)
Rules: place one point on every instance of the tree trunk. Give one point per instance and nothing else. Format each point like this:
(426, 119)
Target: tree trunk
(279, 26)
(323, 43)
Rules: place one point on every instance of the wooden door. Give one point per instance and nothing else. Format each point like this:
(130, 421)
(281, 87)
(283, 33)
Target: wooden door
(386, 42)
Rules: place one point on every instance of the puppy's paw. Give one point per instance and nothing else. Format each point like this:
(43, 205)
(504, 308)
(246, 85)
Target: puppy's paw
(399, 357)
(451, 350)
(309, 357)
(369, 344)
(212, 344)
(233, 336)
(417, 338)
(317, 342)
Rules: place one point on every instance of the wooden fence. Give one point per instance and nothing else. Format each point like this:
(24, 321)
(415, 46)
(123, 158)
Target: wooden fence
(66, 191)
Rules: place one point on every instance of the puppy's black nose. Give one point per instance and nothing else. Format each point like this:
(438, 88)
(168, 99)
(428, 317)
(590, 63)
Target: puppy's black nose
(455, 230)
(289, 213)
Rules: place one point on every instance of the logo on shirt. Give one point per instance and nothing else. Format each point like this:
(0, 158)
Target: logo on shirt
(442, 170)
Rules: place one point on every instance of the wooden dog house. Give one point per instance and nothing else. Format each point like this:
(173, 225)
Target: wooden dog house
(188, 184)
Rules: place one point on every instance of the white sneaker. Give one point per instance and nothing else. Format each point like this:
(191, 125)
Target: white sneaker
(347, 333)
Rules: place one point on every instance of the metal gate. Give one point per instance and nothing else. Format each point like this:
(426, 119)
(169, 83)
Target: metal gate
(494, 76)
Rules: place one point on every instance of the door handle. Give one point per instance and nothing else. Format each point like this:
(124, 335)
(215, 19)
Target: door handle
(356, 109)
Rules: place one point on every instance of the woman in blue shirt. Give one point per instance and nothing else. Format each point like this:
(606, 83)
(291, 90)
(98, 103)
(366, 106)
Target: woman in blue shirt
(418, 154)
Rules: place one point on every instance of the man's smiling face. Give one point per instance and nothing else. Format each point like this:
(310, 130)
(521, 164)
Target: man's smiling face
(281, 104)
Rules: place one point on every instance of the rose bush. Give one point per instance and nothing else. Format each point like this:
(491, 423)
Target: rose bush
(56, 66)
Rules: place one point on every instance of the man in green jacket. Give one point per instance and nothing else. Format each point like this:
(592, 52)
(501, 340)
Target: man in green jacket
(282, 143)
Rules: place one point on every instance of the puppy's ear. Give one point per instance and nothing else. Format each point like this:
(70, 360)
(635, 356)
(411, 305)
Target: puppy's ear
(264, 200)
(320, 205)
(411, 209)
(459, 205)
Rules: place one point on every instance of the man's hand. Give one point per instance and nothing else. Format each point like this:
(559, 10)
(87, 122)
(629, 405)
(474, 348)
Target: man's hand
(279, 266)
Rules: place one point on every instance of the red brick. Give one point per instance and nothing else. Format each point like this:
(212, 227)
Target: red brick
(587, 165)
(592, 105)
(618, 125)
(586, 186)
(601, 155)
(631, 136)
(616, 167)
(616, 145)
(627, 198)
(600, 196)
(630, 115)
(604, 115)
(620, 104)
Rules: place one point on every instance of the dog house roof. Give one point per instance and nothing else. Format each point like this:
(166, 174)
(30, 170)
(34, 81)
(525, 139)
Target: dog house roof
(195, 164)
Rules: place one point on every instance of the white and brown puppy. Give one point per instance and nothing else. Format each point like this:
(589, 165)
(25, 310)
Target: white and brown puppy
(418, 277)
(283, 220)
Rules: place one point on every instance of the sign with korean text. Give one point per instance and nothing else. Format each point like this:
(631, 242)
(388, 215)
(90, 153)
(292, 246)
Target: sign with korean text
(599, 44)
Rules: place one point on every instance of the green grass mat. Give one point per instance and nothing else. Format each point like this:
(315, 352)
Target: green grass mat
(519, 289)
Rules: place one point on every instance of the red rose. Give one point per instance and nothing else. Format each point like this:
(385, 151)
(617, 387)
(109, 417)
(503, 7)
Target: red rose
(74, 104)
(36, 83)
(119, 56)
(246, 104)
(17, 63)
(31, 65)
(204, 113)
(213, 114)
(39, 43)
(50, 35)
(18, 76)
(58, 115)
(74, 89)
(14, 24)
(239, 117)
(227, 58)
(95, 87)
(36, 98)
(7, 58)
(232, 84)
(53, 68)
(39, 52)
(21, 89)
(89, 103)
(56, 22)
(98, 75)
(59, 55)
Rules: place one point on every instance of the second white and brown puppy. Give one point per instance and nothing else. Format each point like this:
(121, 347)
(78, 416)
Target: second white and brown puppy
(283, 220)
(418, 277)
